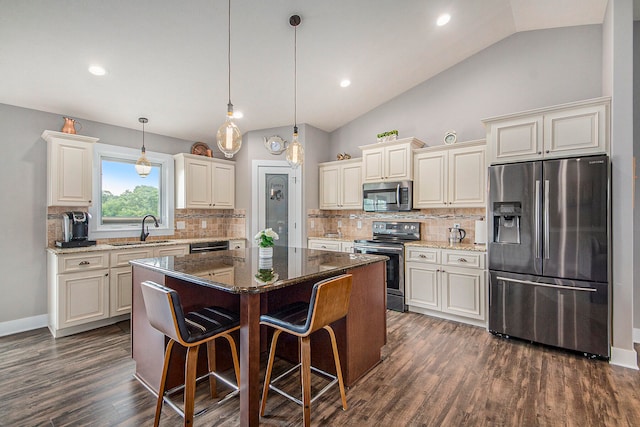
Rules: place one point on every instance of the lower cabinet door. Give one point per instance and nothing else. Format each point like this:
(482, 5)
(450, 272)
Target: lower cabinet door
(422, 285)
(120, 291)
(83, 297)
(463, 292)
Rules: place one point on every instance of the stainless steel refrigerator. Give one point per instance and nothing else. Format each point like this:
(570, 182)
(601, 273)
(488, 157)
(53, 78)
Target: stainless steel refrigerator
(549, 252)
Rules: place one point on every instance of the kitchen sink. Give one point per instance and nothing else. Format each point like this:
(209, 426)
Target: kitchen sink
(139, 243)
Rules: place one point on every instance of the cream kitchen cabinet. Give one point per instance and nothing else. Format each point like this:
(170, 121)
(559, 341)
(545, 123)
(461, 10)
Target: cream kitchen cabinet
(120, 278)
(446, 283)
(69, 168)
(224, 274)
(78, 292)
(389, 161)
(450, 176)
(173, 250)
(204, 182)
(330, 245)
(574, 129)
(341, 184)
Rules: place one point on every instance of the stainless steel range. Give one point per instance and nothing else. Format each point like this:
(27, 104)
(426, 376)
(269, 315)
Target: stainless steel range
(388, 239)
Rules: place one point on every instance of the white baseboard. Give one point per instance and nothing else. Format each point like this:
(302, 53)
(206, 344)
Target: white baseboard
(623, 357)
(636, 335)
(26, 324)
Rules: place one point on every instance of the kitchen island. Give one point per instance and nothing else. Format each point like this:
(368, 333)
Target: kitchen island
(253, 286)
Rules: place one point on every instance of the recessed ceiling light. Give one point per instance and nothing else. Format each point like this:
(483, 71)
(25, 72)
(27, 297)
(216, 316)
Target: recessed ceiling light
(97, 70)
(238, 114)
(345, 83)
(443, 19)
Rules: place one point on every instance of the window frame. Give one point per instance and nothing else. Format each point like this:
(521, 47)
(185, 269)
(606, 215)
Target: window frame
(115, 230)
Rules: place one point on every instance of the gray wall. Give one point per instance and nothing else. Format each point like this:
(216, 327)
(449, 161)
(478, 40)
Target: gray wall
(315, 142)
(23, 167)
(526, 70)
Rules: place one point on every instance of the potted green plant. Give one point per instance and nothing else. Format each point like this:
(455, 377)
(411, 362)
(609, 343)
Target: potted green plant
(391, 135)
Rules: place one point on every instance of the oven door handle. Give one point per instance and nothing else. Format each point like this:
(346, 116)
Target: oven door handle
(379, 248)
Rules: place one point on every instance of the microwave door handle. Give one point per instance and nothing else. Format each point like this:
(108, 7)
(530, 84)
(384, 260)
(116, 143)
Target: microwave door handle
(398, 195)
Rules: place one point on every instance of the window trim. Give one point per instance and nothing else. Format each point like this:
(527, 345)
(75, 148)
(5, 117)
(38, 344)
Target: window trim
(100, 231)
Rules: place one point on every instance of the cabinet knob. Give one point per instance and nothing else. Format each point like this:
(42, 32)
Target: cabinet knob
(106, 274)
(539, 152)
(547, 151)
(84, 263)
(462, 260)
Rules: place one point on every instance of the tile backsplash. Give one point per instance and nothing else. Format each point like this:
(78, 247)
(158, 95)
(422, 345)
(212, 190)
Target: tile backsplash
(219, 223)
(435, 223)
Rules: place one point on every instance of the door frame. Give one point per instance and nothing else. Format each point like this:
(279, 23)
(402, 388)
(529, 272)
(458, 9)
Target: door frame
(295, 193)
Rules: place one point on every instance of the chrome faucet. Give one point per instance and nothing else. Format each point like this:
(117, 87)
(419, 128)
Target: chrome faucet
(143, 235)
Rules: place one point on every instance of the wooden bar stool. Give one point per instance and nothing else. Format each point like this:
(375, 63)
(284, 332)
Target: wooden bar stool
(191, 330)
(329, 302)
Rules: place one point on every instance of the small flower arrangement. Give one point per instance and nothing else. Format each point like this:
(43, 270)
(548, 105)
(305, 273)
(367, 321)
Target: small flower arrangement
(265, 238)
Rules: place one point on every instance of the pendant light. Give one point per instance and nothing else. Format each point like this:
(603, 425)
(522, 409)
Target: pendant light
(143, 165)
(229, 138)
(295, 151)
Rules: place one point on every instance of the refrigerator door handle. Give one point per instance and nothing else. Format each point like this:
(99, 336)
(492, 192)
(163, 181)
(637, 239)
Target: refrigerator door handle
(537, 221)
(546, 285)
(546, 219)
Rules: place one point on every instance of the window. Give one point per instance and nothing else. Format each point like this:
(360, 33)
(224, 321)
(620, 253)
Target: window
(122, 198)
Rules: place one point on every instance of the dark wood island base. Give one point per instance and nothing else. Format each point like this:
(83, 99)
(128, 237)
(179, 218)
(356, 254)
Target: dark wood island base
(360, 335)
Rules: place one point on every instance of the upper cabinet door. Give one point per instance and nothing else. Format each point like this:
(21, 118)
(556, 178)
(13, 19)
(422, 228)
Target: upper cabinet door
(198, 183)
(223, 186)
(69, 168)
(430, 183)
(351, 186)
(397, 165)
(516, 139)
(373, 164)
(329, 186)
(467, 177)
(576, 132)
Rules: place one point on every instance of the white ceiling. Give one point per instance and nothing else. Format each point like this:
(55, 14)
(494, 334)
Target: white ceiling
(167, 59)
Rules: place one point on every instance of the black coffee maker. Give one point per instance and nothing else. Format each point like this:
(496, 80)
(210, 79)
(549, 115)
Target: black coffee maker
(75, 229)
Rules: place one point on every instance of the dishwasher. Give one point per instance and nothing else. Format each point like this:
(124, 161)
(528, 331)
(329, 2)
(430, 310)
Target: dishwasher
(195, 248)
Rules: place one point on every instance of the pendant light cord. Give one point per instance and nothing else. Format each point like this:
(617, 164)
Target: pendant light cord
(229, 50)
(295, 77)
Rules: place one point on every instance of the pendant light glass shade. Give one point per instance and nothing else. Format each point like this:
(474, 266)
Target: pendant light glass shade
(143, 165)
(295, 151)
(229, 137)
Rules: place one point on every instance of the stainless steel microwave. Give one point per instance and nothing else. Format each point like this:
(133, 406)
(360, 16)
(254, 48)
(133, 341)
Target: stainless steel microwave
(387, 196)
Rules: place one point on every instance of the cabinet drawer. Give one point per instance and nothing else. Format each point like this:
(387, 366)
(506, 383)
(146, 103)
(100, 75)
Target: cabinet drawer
(324, 245)
(82, 262)
(463, 258)
(424, 255)
(175, 250)
(237, 244)
(121, 258)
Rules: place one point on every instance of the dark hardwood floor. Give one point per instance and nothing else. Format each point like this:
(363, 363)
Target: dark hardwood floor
(434, 373)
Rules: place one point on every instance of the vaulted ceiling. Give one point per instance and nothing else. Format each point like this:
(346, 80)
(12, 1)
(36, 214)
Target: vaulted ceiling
(167, 59)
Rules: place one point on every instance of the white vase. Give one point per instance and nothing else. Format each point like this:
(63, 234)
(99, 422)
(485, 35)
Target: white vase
(265, 252)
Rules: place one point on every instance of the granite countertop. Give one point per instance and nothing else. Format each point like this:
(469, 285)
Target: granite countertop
(135, 245)
(253, 274)
(446, 245)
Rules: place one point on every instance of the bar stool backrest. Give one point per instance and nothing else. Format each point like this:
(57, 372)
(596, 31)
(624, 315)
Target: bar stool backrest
(329, 301)
(164, 311)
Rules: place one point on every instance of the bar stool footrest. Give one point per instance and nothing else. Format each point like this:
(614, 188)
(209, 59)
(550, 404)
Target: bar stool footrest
(167, 394)
(333, 378)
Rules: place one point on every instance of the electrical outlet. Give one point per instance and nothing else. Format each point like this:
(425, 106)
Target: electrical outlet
(456, 225)
(180, 225)
(312, 224)
(339, 223)
(204, 224)
(359, 224)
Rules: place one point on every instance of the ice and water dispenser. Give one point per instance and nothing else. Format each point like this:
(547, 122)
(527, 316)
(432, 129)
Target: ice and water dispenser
(506, 222)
